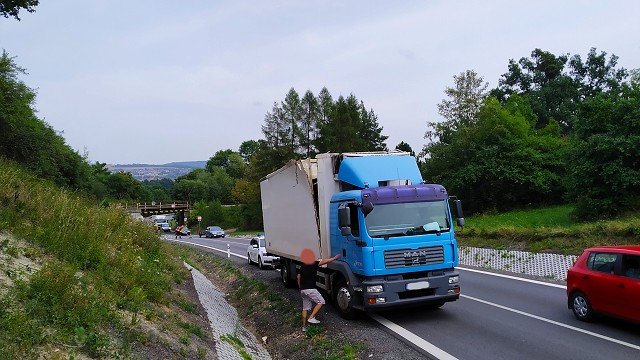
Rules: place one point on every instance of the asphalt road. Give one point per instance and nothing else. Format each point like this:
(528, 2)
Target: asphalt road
(497, 317)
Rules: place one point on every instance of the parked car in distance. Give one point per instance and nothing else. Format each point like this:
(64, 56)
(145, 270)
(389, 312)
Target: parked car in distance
(605, 280)
(164, 226)
(257, 253)
(212, 232)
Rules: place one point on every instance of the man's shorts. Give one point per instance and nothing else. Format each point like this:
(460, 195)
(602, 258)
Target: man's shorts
(310, 296)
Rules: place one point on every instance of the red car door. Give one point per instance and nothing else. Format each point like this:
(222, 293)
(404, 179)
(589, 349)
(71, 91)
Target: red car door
(600, 282)
(626, 293)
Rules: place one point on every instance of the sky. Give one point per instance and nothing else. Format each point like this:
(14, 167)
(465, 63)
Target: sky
(155, 81)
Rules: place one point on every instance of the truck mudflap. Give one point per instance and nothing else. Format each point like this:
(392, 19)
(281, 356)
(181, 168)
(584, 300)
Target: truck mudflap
(436, 290)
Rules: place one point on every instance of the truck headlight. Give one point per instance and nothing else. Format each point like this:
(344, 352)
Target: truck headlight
(374, 289)
(454, 279)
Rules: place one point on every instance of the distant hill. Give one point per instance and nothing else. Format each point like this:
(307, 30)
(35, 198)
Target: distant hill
(187, 164)
(170, 170)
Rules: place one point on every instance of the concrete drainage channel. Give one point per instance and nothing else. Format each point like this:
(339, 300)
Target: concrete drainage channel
(233, 341)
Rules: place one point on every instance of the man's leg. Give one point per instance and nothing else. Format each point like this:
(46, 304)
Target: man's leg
(315, 310)
(319, 300)
(304, 318)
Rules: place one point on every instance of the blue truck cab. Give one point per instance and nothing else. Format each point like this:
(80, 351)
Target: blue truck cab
(394, 233)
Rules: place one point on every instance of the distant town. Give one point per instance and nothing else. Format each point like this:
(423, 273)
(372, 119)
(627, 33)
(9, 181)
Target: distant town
(171, 171)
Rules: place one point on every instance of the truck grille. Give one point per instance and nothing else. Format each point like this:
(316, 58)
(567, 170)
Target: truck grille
(413, 257)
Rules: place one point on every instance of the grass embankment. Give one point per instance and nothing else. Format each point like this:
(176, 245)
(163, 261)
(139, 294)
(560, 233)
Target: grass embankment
(81, 274)
(547, 230)
(268, 312)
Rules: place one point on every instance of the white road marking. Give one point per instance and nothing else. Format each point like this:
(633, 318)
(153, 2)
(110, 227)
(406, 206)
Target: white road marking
(413, 338)
(620, 342)
(514, 278)
(208, 247)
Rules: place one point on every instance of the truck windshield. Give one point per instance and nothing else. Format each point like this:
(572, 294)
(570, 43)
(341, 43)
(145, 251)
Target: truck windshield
(391, 220)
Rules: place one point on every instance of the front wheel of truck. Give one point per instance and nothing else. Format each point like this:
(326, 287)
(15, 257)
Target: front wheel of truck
(343, 300)
(284, 274)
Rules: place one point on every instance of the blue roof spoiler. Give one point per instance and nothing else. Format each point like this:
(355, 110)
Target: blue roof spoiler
(377, 170)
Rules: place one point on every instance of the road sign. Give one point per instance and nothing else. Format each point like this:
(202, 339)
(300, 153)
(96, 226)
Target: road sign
(199, 218)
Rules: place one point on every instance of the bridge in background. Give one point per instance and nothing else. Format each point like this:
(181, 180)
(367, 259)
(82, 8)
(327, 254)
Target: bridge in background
(180, 208)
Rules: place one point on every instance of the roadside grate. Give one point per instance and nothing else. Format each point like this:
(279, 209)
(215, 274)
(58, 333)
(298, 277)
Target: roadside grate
(550, 266)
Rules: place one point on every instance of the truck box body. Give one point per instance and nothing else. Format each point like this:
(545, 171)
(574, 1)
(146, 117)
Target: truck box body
(405, 243)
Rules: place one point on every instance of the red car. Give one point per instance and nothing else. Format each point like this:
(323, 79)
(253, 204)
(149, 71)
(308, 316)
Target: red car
(606, 280)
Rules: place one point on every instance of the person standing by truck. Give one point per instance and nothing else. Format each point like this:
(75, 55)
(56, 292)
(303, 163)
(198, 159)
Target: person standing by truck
(307, 284)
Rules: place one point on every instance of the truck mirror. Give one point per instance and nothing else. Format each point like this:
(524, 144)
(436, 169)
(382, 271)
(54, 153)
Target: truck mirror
(345, 230)
(344, 217)
(458, 204)
(461, 222)
(367, 208)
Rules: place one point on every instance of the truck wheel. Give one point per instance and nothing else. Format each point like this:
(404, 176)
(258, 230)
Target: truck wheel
(343, 300)
(284, 274)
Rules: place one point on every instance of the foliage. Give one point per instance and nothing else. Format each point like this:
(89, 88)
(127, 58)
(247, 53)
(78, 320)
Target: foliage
(462, 107)
(11, 8)
(556, 85)
(247, 149)
(403, 146)
(605, 177)
(500, 162)
(97, 259)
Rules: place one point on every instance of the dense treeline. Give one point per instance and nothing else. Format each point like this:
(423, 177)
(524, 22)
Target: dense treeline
(557, 129)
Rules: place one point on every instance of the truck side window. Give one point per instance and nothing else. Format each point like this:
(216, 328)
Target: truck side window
(355, 224)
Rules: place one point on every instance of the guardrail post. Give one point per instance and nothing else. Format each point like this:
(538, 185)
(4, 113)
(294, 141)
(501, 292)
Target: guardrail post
(228, 250)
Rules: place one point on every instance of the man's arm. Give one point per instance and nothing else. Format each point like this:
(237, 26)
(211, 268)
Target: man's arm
(298, 280)
(326, 261)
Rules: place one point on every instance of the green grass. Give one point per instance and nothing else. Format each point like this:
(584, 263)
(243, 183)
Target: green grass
(245, 232)
(549, 229)
(98, 263)
(551, 217)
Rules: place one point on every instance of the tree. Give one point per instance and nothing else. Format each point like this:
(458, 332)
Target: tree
(190, 190)
(596, 74)
(370, 131)
(309, 123)
(124, 186)
(403, 146)
(229, 161)
(247, 149)
(500, 162)
(605, 177)
(556, 85)
(11, 8)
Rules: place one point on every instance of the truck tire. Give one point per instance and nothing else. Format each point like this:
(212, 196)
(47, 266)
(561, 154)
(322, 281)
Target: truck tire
(284, 274)
(343, 300)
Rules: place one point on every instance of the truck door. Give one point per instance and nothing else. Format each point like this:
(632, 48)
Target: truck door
(352, 244)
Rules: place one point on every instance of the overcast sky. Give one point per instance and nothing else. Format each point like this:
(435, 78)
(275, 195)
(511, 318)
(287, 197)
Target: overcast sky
(154, 81)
